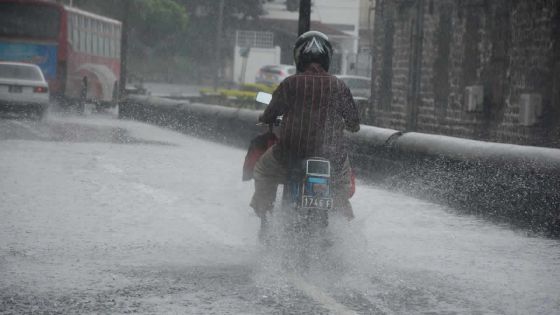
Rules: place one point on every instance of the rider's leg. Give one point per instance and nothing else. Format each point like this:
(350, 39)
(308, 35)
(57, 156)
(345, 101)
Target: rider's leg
(268, 173)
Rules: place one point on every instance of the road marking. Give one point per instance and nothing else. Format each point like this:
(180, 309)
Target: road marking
(319, 296)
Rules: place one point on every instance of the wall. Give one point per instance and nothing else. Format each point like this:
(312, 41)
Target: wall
(426, 52)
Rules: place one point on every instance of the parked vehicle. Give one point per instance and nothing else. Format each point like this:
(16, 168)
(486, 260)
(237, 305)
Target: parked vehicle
(23, 88)
(78, 51)
(274, 74)
(358, 85)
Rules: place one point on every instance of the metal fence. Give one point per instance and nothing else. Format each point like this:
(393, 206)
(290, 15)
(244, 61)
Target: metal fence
(254, 39)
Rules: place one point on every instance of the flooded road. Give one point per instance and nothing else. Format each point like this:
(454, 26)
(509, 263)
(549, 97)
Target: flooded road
(107, 216)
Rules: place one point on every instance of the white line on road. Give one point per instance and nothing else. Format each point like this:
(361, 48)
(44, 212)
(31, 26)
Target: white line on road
(319, 296)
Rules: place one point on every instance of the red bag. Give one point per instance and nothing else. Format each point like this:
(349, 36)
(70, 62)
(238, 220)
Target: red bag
(352, 184)
(257, 148)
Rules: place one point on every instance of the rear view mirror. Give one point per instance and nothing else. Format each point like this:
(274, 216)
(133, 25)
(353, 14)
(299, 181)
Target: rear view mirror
(264, 98)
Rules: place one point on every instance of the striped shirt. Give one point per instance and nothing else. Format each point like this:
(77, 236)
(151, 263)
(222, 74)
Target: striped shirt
(316, 108)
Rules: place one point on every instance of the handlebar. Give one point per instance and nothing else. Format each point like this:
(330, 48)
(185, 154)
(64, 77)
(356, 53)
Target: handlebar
(277, 122)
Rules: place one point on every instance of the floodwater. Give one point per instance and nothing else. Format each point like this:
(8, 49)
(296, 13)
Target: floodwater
(101, 215)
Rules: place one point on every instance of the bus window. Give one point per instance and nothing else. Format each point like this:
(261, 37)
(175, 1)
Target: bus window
(95, 43)
(75, 33)
(85, 33)
(112, 47)
(99, 36)
(69, 28)
(89, 41)
(28, 20)
(75, 39)
(102, 45)
(91, 37)
(103, 41)
(82, 40)
(107, 52)
(110, 40)
(118, 46)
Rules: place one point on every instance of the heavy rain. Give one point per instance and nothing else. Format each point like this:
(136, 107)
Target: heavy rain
(132, 142)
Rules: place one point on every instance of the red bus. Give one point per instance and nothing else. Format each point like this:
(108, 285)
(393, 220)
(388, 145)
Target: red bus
(78, 51)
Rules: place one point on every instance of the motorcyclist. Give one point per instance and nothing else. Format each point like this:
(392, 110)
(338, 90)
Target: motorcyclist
(316, 108)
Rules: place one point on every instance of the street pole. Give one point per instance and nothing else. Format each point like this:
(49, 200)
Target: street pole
(124, 49)
(218, 61)
(304, 16)
(374, 6)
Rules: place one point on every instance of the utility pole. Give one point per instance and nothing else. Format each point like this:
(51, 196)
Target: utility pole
(218, 61)
(124, 48)
(304, 16)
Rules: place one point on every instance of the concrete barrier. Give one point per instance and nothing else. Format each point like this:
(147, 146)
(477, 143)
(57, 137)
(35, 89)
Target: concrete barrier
(507, 183)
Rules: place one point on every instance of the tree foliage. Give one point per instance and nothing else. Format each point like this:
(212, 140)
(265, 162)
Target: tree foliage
(202, 31)
(154, 24)
(158, 24)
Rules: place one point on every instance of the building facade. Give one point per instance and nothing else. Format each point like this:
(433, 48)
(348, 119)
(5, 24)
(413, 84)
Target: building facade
(479, 69)
(340, 20)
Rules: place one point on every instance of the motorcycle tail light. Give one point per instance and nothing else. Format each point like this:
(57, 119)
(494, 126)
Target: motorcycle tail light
(40, 89)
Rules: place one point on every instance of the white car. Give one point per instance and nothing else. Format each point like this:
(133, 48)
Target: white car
(274, 74)
(23, 88)
(358, 85)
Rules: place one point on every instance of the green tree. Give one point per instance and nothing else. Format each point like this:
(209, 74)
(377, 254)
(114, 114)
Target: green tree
(158, 24)
(153, 23)
(174, 38)
(201, 34)
(157, 30)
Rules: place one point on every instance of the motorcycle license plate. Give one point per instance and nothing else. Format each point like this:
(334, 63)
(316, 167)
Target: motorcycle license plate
(317, 202)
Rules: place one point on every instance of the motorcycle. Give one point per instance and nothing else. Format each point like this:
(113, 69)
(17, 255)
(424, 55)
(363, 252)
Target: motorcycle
(307, 199)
